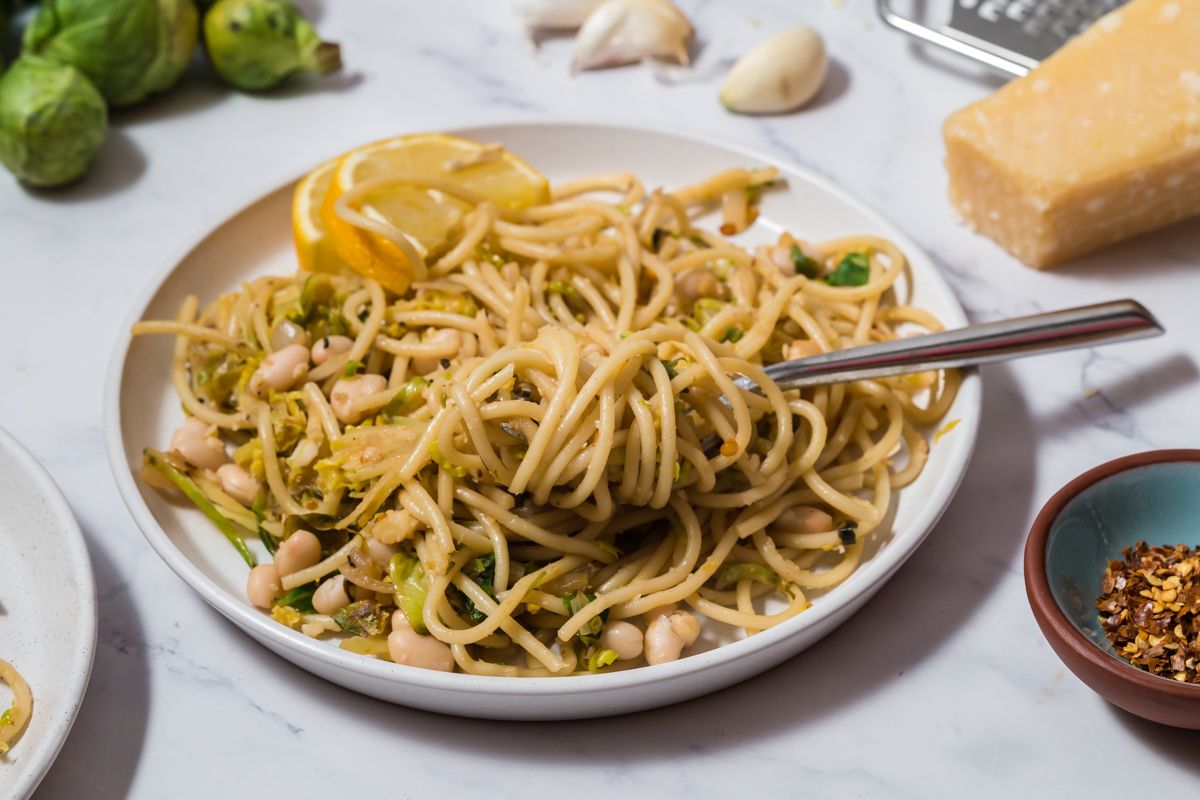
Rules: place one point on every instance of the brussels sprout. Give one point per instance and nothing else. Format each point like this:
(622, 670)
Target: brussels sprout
(52, 121)
(112, 42)
(178, 32)
(257, 44)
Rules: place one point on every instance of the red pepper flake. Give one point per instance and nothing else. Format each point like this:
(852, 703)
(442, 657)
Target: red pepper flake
(1150, 609)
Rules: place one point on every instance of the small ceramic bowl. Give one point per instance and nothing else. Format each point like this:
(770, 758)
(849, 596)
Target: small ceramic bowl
(1153, 497)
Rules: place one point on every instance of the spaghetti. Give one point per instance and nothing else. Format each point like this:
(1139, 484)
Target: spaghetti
(16, 716)
(512, 459)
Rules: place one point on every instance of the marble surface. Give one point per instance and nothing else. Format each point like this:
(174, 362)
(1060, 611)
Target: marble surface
(941, 683)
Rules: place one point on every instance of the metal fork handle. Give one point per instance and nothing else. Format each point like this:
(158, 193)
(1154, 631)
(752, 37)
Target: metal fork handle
(1122, 320)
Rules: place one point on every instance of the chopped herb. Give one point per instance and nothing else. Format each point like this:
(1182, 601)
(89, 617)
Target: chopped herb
(732, 334)
(193, 493)
(403, 398)
(592, 628)
(259, 507)
(560, 287)
(599, 659)
(483, 571)
(408, 576)
(730, 574)
(853, 270)
(804, 265)
(672, 366)
(352, 368)
(299, 598)
(848, 533)
(362, 618)
(202, 377)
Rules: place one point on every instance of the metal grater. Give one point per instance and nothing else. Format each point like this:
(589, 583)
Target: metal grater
(1011, 36)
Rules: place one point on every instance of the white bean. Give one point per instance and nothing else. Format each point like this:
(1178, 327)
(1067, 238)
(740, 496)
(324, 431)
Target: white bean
(263, 586)
(299, 551)
(331, 595)
(663, 644)
(406, 646)
(347, 390)
(238, 483)
(329, 347)
(379, 552)
(192, 442)
(280, 370)
(686, 627)
(622, 638)
(443, 344)
(697, 283)
(803, 519)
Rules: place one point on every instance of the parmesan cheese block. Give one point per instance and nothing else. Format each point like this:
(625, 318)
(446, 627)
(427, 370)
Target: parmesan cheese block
(1100, 142)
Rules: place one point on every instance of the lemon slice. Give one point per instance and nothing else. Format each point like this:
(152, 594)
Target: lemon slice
(428, 218)
(315, 249)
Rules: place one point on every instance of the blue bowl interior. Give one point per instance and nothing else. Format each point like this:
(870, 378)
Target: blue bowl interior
(1157, 503)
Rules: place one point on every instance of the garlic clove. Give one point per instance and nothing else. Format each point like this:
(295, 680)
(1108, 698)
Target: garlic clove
(554, 14)
(626, 31)
(781, 74)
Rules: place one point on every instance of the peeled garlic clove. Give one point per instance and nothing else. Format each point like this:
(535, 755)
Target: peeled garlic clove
(625, 31)
(781, 74)
(551, 14)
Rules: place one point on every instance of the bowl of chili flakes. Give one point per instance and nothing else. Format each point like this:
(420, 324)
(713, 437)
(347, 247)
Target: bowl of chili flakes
(1112, 572)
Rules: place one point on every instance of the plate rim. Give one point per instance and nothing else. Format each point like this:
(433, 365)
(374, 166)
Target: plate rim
(260, 627)
(83, 658)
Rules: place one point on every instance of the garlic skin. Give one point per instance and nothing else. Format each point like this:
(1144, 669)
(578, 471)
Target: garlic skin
(626, 31)
(781, 74)
(554, 14)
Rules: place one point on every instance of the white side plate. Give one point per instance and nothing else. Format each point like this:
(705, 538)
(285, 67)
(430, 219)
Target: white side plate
(47, 612)
(142, 410)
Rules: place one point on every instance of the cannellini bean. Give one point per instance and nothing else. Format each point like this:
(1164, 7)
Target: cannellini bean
(803, 519)
(379, 552)
(347, 390)
(443, 344)
(659, 611)
(238, 483)
(408, 647)
(662, 643)
(686, 627)
(697, 283)
(286, 333)
(280, 370)
(299, 551)
(801, 348)
(263, 586)
(192, 442)
(329, 347)
(622, 638)
(331, 595)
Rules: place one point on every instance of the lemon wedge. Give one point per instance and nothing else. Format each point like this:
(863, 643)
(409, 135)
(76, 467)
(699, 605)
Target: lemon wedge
(315, 249)
(427, 217)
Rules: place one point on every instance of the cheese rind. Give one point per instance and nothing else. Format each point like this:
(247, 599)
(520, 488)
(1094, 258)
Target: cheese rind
(1100, 142)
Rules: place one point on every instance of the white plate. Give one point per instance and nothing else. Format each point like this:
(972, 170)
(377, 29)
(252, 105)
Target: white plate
(47, 612)
(142, 410)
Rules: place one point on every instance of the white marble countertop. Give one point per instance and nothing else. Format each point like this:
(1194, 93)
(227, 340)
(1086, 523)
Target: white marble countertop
(941, 685)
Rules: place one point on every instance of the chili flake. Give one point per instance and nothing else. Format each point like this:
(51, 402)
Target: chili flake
(1150, 609)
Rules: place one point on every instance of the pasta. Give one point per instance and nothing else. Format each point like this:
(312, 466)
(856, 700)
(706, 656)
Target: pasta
(536, 461)
(16, 716)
